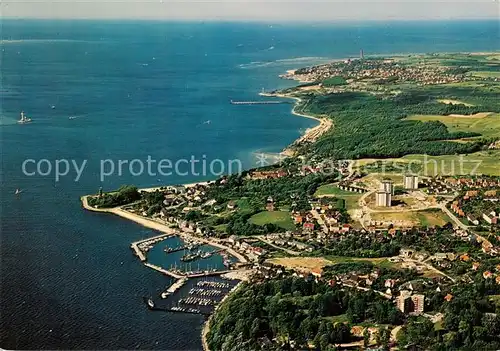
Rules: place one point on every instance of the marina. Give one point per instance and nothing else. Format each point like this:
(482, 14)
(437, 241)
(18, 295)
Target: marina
(195, 296)
(141, 247)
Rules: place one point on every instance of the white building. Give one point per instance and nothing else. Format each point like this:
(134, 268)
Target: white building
(387, 186)
(411, 182)
(383, 199)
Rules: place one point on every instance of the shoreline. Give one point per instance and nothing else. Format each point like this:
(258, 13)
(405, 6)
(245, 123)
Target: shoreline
(311, 134)
(163, 228)
(149, 223)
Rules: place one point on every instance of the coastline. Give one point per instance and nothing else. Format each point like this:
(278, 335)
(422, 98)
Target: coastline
(163, 228)
(311, 134)
(148, 223)
(206, 326)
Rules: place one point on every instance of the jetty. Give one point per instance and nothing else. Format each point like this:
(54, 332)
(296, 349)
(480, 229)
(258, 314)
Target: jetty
(142, 246)
(164, 271)
(174, 287)
(261, 102)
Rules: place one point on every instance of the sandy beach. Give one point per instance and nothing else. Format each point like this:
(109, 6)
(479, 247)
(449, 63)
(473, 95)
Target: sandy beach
(311, 134)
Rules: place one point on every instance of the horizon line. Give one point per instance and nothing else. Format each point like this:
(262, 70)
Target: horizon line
(251, 20)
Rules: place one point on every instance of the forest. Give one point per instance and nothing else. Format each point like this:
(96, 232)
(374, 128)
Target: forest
(275, 314)
(284, 192)
(294, 311)
(370, 126)
(126, 194)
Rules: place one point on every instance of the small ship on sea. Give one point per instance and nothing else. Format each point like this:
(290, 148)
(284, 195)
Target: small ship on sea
(24, 119)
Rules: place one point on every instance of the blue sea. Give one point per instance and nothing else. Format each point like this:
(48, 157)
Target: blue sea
(128, 90)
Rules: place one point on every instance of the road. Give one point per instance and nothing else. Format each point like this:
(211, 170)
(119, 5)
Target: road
(290, 252)
(453, 217)
(431, 268)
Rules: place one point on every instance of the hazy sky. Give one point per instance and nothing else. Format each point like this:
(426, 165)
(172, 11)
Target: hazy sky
(277, 10)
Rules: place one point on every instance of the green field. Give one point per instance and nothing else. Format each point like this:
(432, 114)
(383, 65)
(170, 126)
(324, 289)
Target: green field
(487, 125)
(486, 74)
(334, 81)
(280, 218)
(484, 162)
(331, 190)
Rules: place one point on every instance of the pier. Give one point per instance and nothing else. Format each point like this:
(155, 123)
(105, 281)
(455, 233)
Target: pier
(174, 287)
(144, 245)
(179, 275)
(263, 102)
(164, 271)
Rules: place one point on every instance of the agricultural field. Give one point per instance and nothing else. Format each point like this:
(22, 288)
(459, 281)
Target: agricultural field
(280, 218)
(486, 74)
(427, 218)
(483, 162)
(318, 263)
(487, 124)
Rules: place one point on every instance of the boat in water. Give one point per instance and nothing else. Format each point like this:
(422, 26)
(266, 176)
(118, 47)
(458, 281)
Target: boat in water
(150, 303)
(24, 119)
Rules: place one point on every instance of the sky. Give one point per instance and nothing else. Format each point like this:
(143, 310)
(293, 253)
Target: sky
(253, 10)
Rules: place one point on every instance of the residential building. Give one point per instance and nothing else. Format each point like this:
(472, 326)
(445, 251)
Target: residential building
(383, 199)
(411, 182)
(387, 186)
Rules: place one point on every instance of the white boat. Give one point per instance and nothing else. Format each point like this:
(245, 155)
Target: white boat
(24, 119)
(151, 304)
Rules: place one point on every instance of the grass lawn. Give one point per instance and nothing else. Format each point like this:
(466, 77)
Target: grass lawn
(280, 218)
(306, 263)
(310, 263)
(433, 217)
(330, 190)
(487, 124)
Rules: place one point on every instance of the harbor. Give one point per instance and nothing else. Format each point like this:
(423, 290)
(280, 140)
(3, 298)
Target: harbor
(194, 296)
(141, 247)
